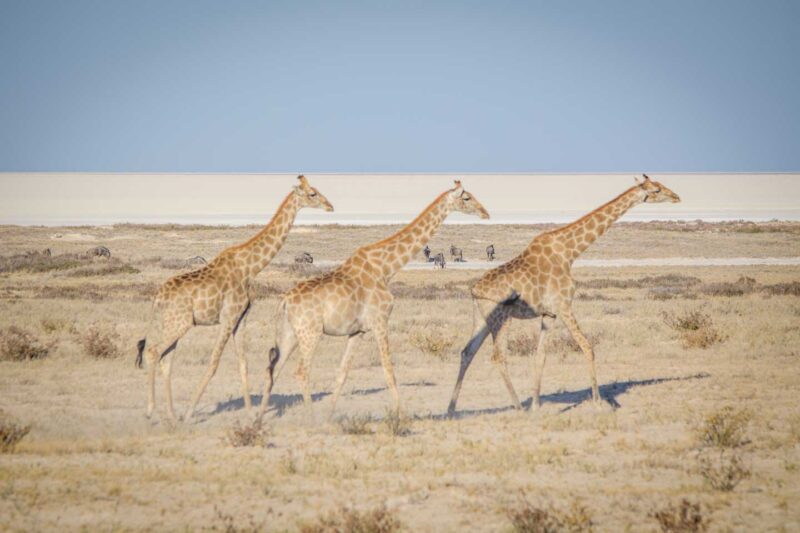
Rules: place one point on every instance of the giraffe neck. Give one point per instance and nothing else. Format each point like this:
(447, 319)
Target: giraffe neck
(259, 251)
(396, 251)
(579, 235)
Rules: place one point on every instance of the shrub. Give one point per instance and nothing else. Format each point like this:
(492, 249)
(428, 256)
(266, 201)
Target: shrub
(99, 344)
(254, 434)
(109, 268)
(356, 424)
(744, 285)
(378, 520)
(528, 518)
(696, 329)
(725, 429)
(783, 289)
(17, 344)
(725, 473)
(397, 424)
(433, 342)
(685, 517)
(11, 433)
(38, 262)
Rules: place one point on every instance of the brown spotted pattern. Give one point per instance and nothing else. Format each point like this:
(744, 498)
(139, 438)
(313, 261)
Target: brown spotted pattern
(354, 298)
(217, 293)
(538, 283)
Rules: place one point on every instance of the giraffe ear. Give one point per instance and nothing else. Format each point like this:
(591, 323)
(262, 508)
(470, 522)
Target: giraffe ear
(637, 180)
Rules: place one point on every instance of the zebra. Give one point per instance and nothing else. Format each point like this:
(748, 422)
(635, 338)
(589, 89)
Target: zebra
(196, 260)
(439, 260)
(99, 251)
(427, 252)
(304, 258)
(457, 254)
(490, 252)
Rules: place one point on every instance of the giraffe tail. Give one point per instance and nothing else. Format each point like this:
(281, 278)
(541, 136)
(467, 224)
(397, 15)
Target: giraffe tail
(140, 347)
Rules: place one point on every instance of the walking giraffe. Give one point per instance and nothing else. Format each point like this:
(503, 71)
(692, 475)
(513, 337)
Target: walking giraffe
(539, 283)
(354, 298)
(217, 294)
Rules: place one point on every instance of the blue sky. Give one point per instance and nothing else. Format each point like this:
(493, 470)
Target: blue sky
(566, 86)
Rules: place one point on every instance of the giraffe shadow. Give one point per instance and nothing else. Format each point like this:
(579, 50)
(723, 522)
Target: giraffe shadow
(281, 402)
(571, 399)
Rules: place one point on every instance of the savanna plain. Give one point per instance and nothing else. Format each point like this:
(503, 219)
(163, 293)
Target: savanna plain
(699, 368)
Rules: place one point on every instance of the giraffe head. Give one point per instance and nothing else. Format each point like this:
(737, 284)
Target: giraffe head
(654, 192)
(466, 202)
(311, 197)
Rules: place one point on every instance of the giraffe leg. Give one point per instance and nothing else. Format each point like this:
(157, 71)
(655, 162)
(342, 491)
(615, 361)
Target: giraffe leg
(381, 329)
(238, 343)
(283, 350)
(498, 323)
(171, 335)
(537, 360)
(577, 334)
(344, 368)
(216, 354)
(307, 343)
(166, 371)
(480, 331)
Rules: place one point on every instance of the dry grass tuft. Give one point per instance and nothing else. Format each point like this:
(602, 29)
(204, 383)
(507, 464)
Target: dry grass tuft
(99, 343)
(17, 344)
(685, 517)
(696, 329)
(356, 424)
(725, 473)
(433, 343)
(254, 434)
(397, 424)
(378, 520)
(725, 429)
(528, 518)
(11, 433)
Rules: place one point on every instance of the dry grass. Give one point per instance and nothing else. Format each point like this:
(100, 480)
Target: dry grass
(94, 462)
(723, 472)
(358, 424)
(17, 344)
(695, 328)
(433, 342)
(99, 342)
(377, 520)
(11, 432)
(526, 517)
(396, 424)
(726, 428)
(253, 434)
(685, 517)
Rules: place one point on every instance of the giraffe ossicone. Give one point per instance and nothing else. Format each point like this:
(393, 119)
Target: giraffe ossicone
(217, 293)
(538, 283)
(354, 298)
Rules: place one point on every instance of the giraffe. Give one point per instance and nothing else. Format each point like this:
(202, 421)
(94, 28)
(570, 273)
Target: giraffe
(354, 298)
(538, 283)
(217, 293)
